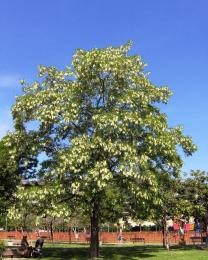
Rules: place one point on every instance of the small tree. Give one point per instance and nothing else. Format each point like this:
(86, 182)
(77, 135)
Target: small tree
(9, 178)
(195, 190)
(100, 126)
(173, 204)
(2, 247)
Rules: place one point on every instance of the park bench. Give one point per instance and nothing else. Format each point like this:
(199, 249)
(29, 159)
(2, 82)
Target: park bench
(10, 240)
(196, 239)
(11, 252)
(10, 237)
(8, 253)
(137, 239)
(16, 243)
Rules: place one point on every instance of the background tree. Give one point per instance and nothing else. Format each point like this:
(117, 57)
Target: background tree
(36, 206)
(173, 204)
(194, 189)
(9, 178)
(13, 169)
(99, 124)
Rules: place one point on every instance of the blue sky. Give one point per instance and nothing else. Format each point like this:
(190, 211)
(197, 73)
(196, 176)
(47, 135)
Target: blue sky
(171, 36)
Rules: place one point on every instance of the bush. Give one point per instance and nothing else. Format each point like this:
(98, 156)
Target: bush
(2, 247)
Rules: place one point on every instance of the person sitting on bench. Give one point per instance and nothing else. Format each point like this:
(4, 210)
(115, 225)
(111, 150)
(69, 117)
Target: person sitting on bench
(25, 250)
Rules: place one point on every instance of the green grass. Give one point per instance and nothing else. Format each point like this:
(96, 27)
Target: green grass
(124, 252)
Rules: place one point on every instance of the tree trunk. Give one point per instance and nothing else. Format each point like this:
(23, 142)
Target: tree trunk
(24, 223)
(164, 232)
(69, 232)
(163, 236)
(51, 230)
(94, 239)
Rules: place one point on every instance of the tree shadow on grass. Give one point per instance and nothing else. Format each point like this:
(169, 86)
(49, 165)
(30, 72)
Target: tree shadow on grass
(130, 252)
(65, 253)
(108, 252)
(186, 247)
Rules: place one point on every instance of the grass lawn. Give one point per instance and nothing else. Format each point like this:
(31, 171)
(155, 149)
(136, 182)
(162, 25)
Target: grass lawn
(123, 252)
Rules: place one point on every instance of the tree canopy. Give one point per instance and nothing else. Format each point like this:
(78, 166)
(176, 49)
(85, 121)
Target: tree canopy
(194, 189)
(9, 178)
(99, 124)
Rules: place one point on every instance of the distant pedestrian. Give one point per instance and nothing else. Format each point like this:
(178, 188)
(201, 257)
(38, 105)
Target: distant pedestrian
(197, 228)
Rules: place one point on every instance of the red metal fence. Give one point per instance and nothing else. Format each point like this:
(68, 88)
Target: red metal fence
(105, 237)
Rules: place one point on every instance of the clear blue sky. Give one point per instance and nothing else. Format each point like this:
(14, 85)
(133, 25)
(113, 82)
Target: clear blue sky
(171, 36)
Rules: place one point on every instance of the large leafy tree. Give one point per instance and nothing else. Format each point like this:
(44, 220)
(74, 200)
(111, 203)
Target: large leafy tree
(99, 125)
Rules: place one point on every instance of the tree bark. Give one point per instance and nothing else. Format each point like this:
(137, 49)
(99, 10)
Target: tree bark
(69, 233)
(163, 236)
(94, 239)
(51, 230)
(164, 232)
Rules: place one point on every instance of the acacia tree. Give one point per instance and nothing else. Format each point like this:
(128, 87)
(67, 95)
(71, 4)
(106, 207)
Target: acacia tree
(100, 126)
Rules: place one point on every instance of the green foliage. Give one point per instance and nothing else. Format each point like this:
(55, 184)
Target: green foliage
(35, 202)
(184, 197)
(2, 247)
(13, 168)
(99, 124)
(194, 190)
(9, 178)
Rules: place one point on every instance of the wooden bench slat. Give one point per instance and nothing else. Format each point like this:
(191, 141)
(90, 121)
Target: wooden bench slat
(137, 239)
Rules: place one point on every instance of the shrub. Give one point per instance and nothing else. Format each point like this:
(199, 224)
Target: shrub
(2, 247)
